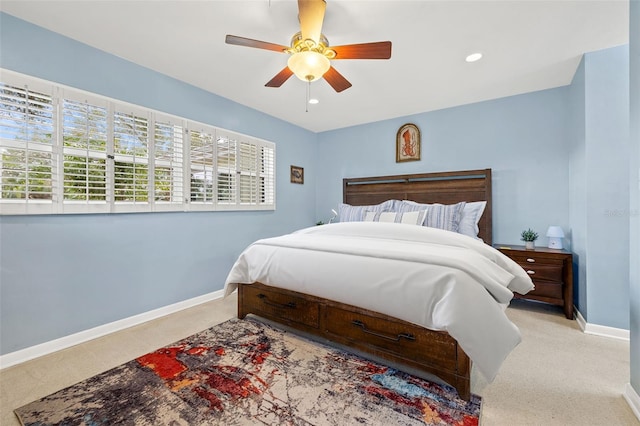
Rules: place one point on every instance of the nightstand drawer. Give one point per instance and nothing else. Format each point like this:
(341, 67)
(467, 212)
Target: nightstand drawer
(535, 259)
(547, 289)
(543, 272)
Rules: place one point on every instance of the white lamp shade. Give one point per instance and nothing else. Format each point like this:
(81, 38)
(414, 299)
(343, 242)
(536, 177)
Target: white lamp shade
(308, 65)
(555, 235)
(555, 231)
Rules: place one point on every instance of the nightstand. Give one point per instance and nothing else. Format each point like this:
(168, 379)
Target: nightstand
(551, 271)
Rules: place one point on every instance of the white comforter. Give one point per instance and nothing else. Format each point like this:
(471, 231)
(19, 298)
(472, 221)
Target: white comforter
(438, 279)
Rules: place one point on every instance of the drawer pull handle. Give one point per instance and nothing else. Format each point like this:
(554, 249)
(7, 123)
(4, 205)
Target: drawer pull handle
(397, 338)
(530, 260)
(530, 272)
(290, 305)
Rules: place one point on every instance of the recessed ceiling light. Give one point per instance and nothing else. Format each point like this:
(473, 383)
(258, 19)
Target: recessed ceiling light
(313, 101)
(474, 57)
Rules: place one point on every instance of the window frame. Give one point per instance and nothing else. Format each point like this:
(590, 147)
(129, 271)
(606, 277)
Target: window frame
(177, 160)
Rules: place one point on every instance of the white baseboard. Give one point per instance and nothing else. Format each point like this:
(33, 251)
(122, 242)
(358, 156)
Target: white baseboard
(602, 330)
(632, 398)
(45, 348)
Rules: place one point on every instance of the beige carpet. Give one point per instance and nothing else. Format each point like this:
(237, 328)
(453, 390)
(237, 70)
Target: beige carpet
(556, 376)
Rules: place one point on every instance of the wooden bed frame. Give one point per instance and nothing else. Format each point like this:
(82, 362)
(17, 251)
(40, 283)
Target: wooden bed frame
(404, 343)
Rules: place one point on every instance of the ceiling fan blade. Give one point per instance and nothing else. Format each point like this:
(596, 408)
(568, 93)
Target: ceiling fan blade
(311, 15)
(375, 50)
(280, 78)
(336, 80)
(248, 42)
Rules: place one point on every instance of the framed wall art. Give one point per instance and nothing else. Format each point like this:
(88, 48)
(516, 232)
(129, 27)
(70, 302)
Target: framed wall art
(408, 143)
(297, 174)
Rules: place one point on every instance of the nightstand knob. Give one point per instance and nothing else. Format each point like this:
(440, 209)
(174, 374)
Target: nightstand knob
(530, 260)
(530, 272)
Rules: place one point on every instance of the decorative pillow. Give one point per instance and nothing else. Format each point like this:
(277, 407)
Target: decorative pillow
(349, 213)
(413, 218)
(471, 215)
(371, 216)
(409, 218)
(438, 215)
(386, 217)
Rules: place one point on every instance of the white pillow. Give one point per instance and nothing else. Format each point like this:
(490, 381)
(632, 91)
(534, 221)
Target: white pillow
(471, 214)
(374, 216)
(386, 217)
(413, 218)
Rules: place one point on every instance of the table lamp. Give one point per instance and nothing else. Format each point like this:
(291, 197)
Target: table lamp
(335, 214)
(555, 235)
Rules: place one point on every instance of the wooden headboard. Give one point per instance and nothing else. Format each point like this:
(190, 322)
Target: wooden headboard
(426, 188)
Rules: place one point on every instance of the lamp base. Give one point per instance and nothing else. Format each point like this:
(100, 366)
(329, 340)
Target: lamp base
(555, 243)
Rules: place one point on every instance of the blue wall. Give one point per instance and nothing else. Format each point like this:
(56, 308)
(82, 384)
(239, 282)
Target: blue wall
(522, 138)
(599, 140)
(578, 184)
(607, 165)
(634, 189)
(63, 274)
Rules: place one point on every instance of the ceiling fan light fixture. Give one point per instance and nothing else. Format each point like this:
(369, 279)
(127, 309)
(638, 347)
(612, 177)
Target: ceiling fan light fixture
(308, 65)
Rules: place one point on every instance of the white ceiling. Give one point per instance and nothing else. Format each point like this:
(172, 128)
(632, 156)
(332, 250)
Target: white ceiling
(528, 45)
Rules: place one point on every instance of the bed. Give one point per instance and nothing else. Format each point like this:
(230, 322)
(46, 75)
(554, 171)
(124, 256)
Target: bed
(363, 320)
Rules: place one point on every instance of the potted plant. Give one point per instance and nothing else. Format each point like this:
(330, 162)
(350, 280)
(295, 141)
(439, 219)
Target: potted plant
(529, 237)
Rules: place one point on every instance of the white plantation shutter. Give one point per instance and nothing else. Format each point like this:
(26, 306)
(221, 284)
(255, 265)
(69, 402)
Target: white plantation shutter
(84, 133)
(168, 171)
(131, 155)
(256, 168)
(202, 161)
(63, 150)
(248, 167)
(226, 173)
(267, 184)
(27, 162)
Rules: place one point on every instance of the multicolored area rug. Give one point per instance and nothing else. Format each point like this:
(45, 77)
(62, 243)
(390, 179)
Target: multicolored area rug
(246, 372)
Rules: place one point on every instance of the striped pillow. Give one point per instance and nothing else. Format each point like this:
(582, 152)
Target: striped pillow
(438, 215)
(470, 217)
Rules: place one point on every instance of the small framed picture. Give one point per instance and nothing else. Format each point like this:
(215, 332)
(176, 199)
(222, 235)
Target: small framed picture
(408, 143)
(297, 175)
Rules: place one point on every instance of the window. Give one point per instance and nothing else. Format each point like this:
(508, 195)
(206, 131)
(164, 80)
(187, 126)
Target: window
(27, 163)
(67, 151)
(84, 151)
(168, 176)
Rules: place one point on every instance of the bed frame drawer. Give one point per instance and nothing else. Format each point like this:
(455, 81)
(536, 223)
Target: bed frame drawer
(273, 304)
(433, 352)
(400, 339)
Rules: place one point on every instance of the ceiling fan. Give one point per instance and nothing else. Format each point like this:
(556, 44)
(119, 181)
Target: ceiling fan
(310, 51)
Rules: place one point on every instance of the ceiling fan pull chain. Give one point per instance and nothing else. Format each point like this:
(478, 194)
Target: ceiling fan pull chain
(306, 105)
